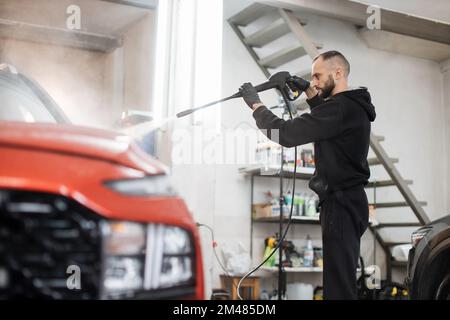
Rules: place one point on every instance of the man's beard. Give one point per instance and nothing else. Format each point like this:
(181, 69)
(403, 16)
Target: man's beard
(328, 88)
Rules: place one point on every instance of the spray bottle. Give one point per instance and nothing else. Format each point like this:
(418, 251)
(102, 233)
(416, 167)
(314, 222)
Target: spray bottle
(308, 255)
(270, 244)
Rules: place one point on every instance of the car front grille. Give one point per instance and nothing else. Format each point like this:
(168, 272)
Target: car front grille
(45, 239)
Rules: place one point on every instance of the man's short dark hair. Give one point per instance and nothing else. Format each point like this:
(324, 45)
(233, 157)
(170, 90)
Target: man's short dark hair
(337, 55)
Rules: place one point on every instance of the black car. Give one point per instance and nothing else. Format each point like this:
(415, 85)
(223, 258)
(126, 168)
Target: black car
(429, 261)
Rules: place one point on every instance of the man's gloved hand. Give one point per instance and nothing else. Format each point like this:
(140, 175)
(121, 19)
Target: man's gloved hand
(249, 94)
(298, 84)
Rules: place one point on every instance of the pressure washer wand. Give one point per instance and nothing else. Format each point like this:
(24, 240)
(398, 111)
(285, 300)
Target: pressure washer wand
(276, 81)
(189, 111)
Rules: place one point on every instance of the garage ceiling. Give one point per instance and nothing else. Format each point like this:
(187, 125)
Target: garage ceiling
(400, 32)
(415, 47)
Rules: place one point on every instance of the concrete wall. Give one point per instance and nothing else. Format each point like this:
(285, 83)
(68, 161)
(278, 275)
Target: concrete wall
(74, 78)
(139, 51)
(445, 68)
(407, 93)
(92, 88)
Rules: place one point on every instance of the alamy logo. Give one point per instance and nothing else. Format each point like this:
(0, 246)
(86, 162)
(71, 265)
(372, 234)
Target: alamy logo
(374, 280)
(74, 280)
(73, 22)
(374, 20)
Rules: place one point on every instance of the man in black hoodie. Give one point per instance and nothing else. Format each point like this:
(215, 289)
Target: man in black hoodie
(339, 125)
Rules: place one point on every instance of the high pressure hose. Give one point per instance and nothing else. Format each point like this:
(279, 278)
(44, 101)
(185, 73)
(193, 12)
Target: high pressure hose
(280, 242)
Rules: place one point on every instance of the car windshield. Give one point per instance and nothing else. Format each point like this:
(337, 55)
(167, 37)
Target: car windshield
(21, 100)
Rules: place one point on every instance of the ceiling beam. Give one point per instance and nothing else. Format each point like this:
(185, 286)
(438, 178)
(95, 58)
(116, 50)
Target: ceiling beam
(356, 13)
(58, 36)
(149, 4)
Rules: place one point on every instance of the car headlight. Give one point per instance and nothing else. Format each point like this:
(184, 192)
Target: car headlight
(172, 254)
(124, 250)
(123, 274)
(158, 185)
(177, 258)
(418, 235)
(123, 238)
(145, 257)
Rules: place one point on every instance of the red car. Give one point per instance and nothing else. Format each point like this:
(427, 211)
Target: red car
(85, 213)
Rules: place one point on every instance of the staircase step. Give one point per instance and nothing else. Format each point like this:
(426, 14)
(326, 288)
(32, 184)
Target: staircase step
(395, 204)
(398, 225)
(250, 14)
(264, 36)
(384, 183)
(283, 56)
(393, 244)
(401, 264)
(376, 161)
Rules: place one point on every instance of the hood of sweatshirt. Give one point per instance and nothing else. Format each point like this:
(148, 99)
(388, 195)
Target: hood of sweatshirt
(362, 97)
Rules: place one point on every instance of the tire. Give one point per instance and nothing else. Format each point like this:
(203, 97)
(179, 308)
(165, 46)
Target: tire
(443, 290)
(434, 284)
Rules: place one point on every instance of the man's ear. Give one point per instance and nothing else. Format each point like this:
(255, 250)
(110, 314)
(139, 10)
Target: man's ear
(338, 74)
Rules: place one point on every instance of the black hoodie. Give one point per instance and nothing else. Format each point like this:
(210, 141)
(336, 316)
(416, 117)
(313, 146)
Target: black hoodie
(340, 130)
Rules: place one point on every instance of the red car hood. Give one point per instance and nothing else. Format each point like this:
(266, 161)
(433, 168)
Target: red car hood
(79, 141)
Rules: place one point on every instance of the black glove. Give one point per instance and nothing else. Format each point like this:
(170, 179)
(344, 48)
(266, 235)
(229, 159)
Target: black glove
(298, 84)
(249, 94)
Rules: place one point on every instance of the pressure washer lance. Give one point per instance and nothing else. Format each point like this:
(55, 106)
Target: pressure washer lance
(279, 80)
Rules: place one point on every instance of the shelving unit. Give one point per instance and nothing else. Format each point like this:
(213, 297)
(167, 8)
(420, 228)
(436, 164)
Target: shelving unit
(293, 269)
(302, 173)
(260, 170)
(295, 220)
(263, 171)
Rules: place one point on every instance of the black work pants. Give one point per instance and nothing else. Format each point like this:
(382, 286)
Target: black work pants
(344, 216)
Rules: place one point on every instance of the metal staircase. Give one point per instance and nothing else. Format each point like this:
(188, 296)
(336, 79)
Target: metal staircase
(284, 22)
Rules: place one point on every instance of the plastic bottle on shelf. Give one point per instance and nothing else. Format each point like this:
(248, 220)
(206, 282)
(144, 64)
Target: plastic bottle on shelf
(306, 206)
(311, 207)
(275, 207)
(302, 204)
(308, 254)
(302, 158)
(288, 202)
(275, 156)
(297, 204)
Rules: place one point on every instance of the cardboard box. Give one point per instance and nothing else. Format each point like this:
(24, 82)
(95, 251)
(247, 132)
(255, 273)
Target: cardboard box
(262, 210)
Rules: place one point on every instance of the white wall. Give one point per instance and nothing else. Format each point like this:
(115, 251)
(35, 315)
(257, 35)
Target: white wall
(193, 76)
(445, 68)
(139, 63)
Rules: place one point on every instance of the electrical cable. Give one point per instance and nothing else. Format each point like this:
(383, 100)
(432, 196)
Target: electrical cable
(214, 243)
(278, 246)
